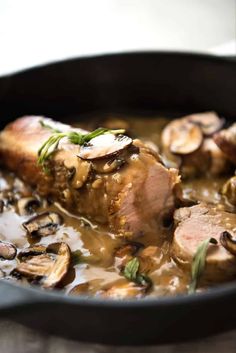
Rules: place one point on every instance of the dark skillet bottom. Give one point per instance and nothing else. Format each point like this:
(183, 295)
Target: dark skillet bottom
(125, 82)
(121, 323)
(103, 331)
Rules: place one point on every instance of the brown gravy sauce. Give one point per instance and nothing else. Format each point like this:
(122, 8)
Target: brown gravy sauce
(96, 244)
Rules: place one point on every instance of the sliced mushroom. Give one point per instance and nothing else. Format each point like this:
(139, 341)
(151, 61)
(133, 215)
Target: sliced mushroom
(80, 289)
(79, 171)
(43, 224)
(32, 251)
(228, 242)
(87, 288)
(104, 146)
(226, 141)
(182, 137)
(27, 205)
(50, 266)
(218, 163)
(7, 251)
(187, 140)
(209, 122)
(229, 190)
(36, 266)
(60, 266)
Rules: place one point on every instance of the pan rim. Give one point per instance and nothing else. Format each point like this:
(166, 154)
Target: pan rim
(223, 290)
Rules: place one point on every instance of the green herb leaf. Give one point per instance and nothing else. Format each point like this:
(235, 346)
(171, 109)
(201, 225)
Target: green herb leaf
(46, 126)
(48, 147)
(76, 257)
(77, 138)
(131, 269)
(131, 273)
(198, 263)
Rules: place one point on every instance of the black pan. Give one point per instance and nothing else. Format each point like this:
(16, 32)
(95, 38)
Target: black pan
(134, 82)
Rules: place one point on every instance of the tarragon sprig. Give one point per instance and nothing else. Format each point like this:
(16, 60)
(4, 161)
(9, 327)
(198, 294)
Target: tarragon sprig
(198, 263)
(77, 138)
(131, 273)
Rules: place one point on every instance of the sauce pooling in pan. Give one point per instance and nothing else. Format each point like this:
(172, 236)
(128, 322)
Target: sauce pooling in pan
(116, 221)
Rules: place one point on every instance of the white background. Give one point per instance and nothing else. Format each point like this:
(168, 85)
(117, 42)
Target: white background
(34, 32)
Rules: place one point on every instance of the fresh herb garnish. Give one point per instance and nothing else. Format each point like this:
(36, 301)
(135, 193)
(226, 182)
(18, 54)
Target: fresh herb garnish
(131, 272)
(76, 257)
(77, 138)
(49, 127)
(198, 263)
(131, 269)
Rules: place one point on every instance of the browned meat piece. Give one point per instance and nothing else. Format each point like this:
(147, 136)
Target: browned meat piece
(226, 140)
(130, 190)
(197, 223)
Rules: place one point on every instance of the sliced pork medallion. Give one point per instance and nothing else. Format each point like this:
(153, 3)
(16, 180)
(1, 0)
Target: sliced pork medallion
(123, 185)
(196, 224)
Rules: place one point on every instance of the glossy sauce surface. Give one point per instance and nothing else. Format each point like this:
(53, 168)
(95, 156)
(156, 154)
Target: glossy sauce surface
(96, 263)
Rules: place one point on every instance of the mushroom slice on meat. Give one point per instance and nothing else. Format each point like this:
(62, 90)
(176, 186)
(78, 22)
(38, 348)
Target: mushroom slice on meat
(7, 251)
(104, 146)
(43, 224)
(182, 137)
(209, 122)
(228, 242)
(50, 266)
(27, 205)
(226, 141)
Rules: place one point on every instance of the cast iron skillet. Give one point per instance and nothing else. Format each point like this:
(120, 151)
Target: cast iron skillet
(131, 82)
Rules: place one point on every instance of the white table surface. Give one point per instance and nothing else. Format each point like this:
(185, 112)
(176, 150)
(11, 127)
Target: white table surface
(35, 32)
